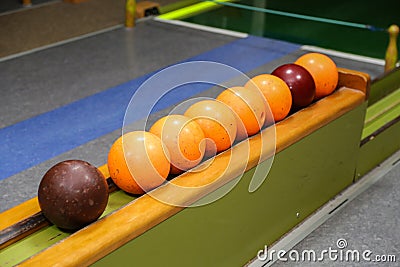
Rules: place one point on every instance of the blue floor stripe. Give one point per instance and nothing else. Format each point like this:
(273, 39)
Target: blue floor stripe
(40, 138)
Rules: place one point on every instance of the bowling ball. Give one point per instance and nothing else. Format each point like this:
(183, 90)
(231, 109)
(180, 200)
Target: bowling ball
(137, 162)
(72, 194)
(249, 107)
(218, 123)
(183, 138)
(300, 82)
(276, 93)
(323, 70)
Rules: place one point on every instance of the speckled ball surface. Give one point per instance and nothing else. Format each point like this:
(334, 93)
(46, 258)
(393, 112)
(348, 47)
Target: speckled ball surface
(72, 194)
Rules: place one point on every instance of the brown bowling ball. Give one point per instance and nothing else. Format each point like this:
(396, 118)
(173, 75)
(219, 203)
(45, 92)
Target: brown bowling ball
(72, 194)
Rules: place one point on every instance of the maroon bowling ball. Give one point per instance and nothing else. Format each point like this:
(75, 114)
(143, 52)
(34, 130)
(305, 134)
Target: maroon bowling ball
(300, 82)
(72, 194)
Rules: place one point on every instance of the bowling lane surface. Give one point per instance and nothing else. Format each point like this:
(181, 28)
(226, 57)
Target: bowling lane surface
(44, 86)
(76, 94)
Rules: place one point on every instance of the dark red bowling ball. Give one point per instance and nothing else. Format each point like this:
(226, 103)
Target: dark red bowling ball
(300, 82)
(72, 194)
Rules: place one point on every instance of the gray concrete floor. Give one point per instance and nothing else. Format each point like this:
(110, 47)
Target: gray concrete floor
(42, 81)
(371, 221)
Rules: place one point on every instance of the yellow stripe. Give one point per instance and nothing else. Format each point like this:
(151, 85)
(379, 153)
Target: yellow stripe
(191, 10)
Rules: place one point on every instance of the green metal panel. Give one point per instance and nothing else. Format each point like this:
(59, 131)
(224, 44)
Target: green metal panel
(380, 137)
(383, 86)
(381, 113)
(230, 231)
(376, 150)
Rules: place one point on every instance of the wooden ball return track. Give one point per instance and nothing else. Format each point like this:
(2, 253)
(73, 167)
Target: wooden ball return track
(316, 156)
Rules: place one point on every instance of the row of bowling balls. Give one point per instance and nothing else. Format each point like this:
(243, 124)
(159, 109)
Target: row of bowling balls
(140, 161)
(74, 193)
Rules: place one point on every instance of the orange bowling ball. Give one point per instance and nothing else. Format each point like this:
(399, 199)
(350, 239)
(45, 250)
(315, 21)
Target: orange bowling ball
(184, 140)
(218, 123)
(324, 71)
(249, 107)
(137, 162)
(276, 93)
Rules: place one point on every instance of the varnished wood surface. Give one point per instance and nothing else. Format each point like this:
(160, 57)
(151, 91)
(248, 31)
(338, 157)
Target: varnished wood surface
(354, 79)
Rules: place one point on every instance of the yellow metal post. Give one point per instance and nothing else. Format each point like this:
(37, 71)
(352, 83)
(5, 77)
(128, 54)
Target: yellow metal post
(391, 51)
(26, 3)
(130, 10)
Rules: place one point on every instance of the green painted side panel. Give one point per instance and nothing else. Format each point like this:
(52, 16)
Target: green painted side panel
(48, 236)
(378, 149)
(384, 86)
(385, 118)
(230, 231)
(381, 113)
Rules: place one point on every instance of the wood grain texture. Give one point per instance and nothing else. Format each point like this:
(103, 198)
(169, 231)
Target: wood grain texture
(354, 79)
(102, 237)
